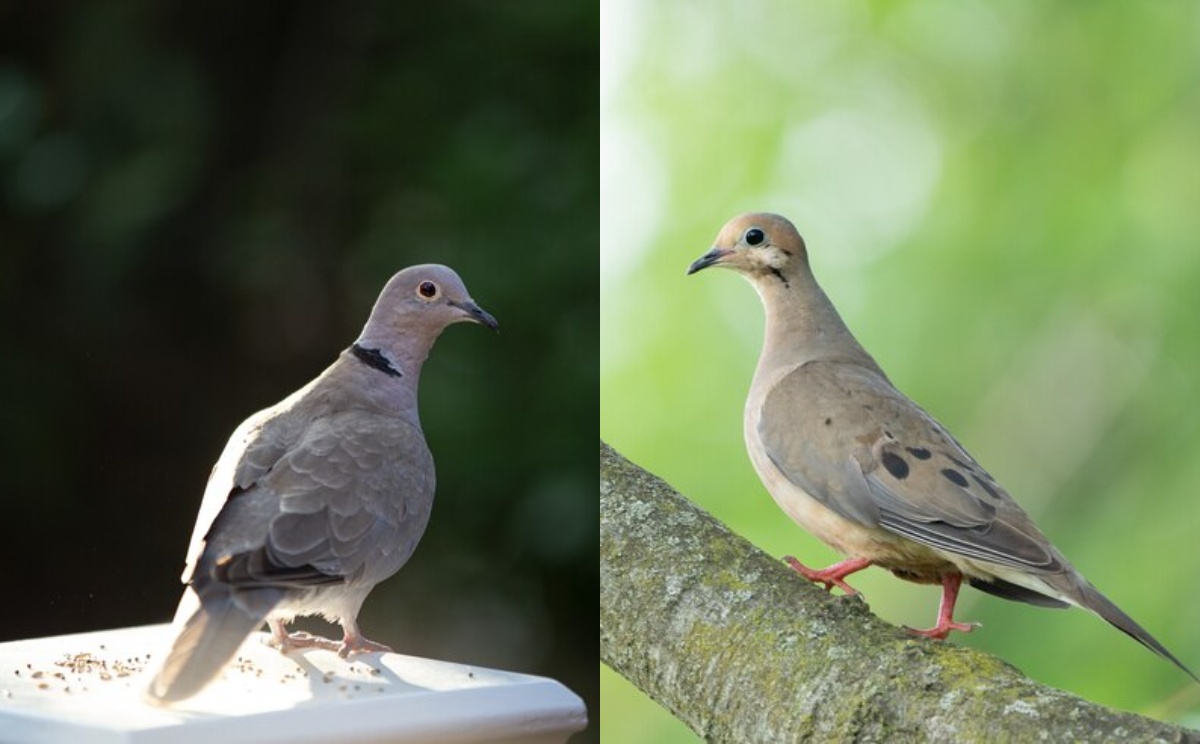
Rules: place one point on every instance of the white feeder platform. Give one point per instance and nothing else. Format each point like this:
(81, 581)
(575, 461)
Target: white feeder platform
(88, 688)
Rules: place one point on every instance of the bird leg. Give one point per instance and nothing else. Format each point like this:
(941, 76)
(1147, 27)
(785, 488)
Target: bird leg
(354, 642)
(945, 621)
(831, 576)
(285, 641)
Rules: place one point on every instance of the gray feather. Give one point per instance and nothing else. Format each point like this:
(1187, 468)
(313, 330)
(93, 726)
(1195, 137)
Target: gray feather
(208, 640)
(317, 499)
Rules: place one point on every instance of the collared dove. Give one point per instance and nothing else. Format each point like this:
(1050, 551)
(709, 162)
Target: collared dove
(852, 460)
(320, 497)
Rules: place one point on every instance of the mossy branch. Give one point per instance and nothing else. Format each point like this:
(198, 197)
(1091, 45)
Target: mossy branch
(737, 647)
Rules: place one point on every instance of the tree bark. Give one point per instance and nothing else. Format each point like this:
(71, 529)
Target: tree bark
(740, 649)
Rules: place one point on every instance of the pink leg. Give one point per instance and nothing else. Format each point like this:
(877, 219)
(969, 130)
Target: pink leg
(284, 641)
(831, 576)
(945, 621)
(354, 642)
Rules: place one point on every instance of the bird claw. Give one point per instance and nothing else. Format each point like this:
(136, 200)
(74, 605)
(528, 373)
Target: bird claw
(300, 639)
(830, 577)
(941, 630)
(945, 620)
(361, 645)
(286, 642)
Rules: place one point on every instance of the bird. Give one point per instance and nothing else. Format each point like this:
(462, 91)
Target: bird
(856, 463)
(318, 498)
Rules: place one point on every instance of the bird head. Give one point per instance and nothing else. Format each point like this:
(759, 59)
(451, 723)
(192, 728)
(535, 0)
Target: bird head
(757, 245)
(429, 296)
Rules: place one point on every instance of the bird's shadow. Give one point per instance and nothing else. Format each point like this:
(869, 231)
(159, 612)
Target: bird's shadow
(345, 685)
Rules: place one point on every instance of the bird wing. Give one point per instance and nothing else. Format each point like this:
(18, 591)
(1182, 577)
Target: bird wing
(847, 437)
(356, 486)
(252, 450)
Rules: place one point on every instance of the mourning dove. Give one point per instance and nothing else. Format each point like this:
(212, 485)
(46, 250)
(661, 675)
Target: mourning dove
(317, 499)
(852, 460)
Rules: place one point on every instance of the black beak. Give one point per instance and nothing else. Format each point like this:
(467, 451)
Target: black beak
(711, 258)
(476, 314)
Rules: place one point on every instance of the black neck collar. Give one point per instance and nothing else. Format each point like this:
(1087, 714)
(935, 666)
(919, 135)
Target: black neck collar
(375, 359)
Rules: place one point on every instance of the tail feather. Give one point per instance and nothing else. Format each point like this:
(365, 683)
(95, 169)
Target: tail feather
(207, 641)
(1090, 598)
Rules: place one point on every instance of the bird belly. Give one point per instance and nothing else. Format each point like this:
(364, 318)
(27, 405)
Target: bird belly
(833, 529)
(908, 559)
(332, 602)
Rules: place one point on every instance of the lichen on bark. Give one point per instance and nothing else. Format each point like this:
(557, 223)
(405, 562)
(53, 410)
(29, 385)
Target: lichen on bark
(741, 650)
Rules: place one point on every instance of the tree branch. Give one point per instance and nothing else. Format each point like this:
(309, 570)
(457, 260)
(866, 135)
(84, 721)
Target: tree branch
(741, 650)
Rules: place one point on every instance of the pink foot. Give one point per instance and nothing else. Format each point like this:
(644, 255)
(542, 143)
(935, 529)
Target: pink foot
(941, 630)
(286, 642)
(831, 576)
(353, 641)
(360, 645)
(945, 621)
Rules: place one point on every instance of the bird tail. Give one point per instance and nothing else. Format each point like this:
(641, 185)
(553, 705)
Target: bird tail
(207, 640)
(1090, 598)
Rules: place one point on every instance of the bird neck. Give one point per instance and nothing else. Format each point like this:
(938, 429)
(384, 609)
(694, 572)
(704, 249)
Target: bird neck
(386, 374)
(392, 356)
(802, 325)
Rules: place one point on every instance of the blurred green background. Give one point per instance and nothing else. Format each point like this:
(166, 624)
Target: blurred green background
(198, 205)
(1003, 199)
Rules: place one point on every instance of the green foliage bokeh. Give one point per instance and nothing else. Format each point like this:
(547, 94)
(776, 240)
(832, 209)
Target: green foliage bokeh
(1001, 198)
(198, 205)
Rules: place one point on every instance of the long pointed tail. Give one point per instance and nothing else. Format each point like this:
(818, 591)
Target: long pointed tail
(208, 639)
(1090, 598)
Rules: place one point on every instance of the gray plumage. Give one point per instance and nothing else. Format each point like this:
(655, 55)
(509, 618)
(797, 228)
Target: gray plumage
(317, 499)
(856, 463)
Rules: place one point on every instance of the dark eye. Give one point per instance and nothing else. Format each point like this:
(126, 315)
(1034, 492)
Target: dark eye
(754, 236)
(428, 290)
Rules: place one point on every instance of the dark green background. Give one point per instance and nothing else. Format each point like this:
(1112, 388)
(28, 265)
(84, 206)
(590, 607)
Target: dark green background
(198, 205)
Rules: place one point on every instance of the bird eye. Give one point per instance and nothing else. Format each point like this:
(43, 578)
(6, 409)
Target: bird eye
(754, 236)
(428, 290)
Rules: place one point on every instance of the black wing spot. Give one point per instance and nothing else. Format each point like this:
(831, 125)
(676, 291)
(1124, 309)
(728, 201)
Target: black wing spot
(895, 465)
(919, 452)
(828, 421)
(955, 477)
(964, 465)
(991, 491)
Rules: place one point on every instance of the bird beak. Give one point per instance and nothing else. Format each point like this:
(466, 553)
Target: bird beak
(476, 314)
(712, 258)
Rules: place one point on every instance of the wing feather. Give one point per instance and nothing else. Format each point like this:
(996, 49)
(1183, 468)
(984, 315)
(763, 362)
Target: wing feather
(351, 486)
(852, 441)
